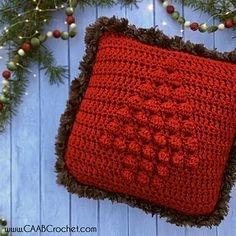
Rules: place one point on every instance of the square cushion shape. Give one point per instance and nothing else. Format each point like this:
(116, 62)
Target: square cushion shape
(151, 122)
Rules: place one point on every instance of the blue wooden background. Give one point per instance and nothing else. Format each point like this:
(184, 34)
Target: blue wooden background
(28, 192)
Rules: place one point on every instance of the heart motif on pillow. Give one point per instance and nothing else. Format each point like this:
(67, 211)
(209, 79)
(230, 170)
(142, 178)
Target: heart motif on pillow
(151, 122)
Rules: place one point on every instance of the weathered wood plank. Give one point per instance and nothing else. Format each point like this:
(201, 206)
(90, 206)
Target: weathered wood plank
(54, 199)
(26, 159)
(143, 16)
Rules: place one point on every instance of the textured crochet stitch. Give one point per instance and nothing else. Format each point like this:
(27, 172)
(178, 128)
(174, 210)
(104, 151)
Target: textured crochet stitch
(153, 125)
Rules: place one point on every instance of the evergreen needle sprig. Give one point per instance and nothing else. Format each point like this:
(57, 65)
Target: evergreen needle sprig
(221, 9)
(23, 22)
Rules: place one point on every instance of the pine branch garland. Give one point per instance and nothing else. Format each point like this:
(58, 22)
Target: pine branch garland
(22, 20)
(221, 9)
(56, 74)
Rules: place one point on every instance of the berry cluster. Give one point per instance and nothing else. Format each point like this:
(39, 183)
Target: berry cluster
(30, 45)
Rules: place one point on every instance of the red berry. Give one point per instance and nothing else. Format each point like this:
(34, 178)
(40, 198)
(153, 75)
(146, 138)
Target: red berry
(26, 47)
(194, 26)
(70, 20)
(1, 106)
(6, 74)
(57, 33)
(170, 9)
(229, 23)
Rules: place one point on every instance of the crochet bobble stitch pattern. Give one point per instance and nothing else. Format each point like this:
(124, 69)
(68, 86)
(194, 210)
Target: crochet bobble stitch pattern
(151, 122)
(144, 139)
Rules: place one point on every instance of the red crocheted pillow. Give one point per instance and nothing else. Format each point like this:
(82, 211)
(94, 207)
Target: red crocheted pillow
(151, 122)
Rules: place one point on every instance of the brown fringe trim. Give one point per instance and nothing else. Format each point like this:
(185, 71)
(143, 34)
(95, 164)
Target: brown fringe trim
(151, 37)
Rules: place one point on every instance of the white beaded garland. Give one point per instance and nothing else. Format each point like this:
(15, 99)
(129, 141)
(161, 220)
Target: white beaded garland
(49, 34)
(5, 82)
(187, 23)
(203, 26)
(21, 52)
(73, 26)
(221, 26)
(165, 4)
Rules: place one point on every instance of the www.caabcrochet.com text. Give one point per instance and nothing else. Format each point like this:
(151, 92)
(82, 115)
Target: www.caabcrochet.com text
(51, 229)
